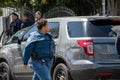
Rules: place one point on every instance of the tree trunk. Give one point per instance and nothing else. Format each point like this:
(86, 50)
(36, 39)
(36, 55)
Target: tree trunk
(113, 7)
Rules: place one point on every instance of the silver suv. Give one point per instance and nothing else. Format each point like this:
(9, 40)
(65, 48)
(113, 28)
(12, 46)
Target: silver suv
(85, 49)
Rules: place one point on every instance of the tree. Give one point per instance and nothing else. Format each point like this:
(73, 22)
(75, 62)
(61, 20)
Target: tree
(18, 4)
(81, 7)
(8, 3)
(85, 7)
(1, 12)
(113, 7)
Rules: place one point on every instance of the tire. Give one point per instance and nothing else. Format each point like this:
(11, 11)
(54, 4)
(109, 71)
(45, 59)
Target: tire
(61, 72)
(5, 71)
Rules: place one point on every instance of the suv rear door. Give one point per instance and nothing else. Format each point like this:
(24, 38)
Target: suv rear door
(99, 35)
(103, 33)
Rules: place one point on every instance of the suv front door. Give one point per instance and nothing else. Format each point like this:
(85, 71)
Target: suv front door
(18, 48)
(16, 51)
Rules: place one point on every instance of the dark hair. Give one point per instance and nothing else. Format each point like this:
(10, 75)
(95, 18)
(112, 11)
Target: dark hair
(26, 14)
(41, 23)
(14, 14)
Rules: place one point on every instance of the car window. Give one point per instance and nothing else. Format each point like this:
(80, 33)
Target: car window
(18, 34)
(75, 29)
(54, 30)
(100, 31)
(27, 34)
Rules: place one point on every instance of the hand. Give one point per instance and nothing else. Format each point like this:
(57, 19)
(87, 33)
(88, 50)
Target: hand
(24, 66)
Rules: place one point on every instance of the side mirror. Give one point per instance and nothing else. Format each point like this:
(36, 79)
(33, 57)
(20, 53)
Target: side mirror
(16, 39)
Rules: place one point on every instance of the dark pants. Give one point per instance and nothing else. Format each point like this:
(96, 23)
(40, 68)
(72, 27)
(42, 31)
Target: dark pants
(41, 70)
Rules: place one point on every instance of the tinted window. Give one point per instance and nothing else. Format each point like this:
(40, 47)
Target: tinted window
(76, 29)
(34, 28)
(100, 30)
(54, 29)
(18, 34)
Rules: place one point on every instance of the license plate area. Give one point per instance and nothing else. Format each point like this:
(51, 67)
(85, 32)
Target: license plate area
(105, 51)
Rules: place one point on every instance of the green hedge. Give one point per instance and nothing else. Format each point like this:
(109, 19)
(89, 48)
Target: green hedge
(1, 12)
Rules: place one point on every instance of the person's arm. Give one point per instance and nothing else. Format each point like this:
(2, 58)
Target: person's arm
(28, 50)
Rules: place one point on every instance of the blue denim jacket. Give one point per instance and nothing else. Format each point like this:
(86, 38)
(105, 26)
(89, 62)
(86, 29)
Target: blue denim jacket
(40, 44)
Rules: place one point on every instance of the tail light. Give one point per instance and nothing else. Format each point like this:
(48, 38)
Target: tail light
(105, 73)
(87, 45)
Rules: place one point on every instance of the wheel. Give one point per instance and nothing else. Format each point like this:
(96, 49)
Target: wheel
(61, 72)
(4, 71)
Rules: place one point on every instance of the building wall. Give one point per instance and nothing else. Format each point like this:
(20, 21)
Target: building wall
(7, 11)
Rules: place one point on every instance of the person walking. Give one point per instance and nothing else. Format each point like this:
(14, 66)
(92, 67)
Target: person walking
(40, 47)
(14, 25)
(25, 21)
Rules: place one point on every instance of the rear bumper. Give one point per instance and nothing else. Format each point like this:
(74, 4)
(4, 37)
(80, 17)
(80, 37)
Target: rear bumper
(83, 74)
(83, 70)
(110, 71)
(88, 70)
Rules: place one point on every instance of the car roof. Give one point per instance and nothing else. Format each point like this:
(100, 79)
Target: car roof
(85, 18)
